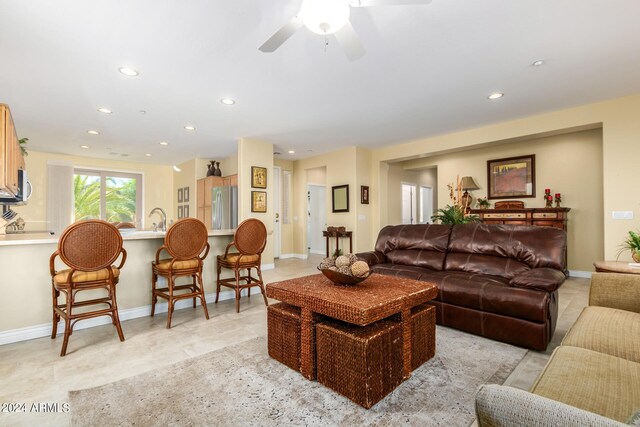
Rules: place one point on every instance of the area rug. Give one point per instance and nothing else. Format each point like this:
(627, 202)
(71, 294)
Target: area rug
(242, 386)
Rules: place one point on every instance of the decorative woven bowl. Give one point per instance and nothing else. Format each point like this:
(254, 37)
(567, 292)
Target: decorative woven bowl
(342, 279)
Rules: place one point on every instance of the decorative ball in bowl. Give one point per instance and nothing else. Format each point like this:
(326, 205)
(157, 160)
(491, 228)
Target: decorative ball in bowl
(345, 270)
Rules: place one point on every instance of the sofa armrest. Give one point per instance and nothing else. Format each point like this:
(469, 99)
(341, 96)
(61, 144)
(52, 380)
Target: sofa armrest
(501, 406)
(544, 279)
(613, 290)
(372, 258)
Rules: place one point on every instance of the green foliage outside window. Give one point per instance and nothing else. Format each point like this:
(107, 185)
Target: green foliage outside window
(120, 196)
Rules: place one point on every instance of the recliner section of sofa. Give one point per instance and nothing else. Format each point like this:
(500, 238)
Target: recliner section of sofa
(497, 281)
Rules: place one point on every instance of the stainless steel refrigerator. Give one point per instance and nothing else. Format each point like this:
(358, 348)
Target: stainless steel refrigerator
(224, 207)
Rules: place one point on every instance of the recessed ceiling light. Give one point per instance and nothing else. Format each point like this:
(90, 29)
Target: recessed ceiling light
(105, 110)
(128, 71)
(188, 127)
(496, 95)
(164, 143)
(143, 111)
(291, 152)
(93, 132)
(227, 101)
(84, 146)
(177, 169)
(538, 63)
(148, 155)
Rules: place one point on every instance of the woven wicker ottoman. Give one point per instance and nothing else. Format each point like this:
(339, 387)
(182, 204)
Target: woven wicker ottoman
(423, 334)
(363, 363)
(283, 324)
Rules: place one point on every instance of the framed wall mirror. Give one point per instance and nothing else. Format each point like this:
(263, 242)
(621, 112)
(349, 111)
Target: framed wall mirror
(340, 198)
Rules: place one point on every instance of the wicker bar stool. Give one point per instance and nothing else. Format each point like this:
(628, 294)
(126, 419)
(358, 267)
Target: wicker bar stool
(89, 248)
(185, 242)
(249, 239)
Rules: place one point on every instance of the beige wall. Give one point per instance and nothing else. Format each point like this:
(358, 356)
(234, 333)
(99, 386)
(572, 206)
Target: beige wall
(317, 176)
(570, 164)
(186, 178)
(157, 186)
(620, 151)
(256, 153)
(286, 233)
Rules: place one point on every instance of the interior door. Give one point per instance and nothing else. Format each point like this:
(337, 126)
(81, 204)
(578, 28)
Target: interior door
(277, 230)
(408, 203)
(426, 204)
(316, 218)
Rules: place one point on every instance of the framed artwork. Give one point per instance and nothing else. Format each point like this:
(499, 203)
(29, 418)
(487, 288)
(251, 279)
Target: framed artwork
(186, 194)
(258, 177)
(185, 211)
(258, 201)
(180, 212)
(180, 195)
(364, 194)
(513, 177)
(340, 198)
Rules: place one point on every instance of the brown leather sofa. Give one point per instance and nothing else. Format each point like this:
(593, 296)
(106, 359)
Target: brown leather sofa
(498, 281)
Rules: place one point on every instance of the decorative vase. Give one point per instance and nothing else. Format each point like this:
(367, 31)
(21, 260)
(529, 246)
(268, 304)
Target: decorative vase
(216, 169)
(635, 255)
(211, 168)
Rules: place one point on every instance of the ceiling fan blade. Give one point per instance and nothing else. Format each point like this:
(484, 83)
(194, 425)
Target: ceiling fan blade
(282, 35)
(348, 39)
(369, 3)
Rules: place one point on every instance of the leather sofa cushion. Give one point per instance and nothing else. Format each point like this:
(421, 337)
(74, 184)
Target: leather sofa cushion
(485, 264)
(399, 270)
(423, 245)
(490, 294)
(535, 247)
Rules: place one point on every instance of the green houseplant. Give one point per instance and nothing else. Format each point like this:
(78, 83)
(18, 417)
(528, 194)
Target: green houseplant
(632, 244)
(483, 203)
(22, 143)
(453, 215)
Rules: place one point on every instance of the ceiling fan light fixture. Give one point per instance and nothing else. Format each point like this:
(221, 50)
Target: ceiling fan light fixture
(325, 16)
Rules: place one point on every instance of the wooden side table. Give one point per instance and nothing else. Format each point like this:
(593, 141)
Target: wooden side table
(338, 234)
(615, 267)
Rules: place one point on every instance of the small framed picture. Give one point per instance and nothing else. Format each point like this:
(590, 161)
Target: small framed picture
(180, 195)
(185, 211)
(364, 194)
(180, 212)
(185, 194)
(258, 177)
(258, 201)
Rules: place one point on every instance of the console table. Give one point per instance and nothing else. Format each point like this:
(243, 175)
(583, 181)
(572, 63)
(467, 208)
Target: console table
(543, 217)
(338, 234)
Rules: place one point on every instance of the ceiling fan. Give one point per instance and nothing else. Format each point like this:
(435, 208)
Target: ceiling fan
(327, 17)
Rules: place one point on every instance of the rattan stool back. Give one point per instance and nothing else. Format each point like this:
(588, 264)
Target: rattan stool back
(250, 237)
(186, 239)
(90, 245)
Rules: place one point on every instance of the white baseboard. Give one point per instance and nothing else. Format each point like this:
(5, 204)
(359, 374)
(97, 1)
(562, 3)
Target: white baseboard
(578, 273)
(298, 256)
(44, 330)
(267, 266)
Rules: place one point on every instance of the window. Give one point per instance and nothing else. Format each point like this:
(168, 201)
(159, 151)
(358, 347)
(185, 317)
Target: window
(111, 196)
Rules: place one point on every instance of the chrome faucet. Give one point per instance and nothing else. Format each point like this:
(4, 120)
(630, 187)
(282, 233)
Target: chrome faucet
(163, 218)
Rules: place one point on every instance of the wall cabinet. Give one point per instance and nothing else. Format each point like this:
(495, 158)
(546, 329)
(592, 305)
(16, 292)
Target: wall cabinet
(11, 159)
(203, 195)
(542, 217)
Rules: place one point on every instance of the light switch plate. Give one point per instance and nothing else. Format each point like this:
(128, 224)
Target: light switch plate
(362, 217)
(622, 214)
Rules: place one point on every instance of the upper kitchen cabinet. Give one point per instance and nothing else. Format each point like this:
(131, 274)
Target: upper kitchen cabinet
(11, 159)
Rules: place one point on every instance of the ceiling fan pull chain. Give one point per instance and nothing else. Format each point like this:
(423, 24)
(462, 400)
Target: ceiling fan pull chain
(326, 43)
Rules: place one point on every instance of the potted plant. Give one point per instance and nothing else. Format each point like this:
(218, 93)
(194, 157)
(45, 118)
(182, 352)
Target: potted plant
(453, 215)
(483, 203)
(632, 244)
(22, 143)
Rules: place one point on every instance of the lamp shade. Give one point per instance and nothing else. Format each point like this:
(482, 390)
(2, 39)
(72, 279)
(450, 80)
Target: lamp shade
(325, 16)
(467, 183)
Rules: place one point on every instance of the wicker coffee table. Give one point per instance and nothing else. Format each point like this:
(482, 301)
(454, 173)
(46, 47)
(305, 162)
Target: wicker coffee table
(375, 299)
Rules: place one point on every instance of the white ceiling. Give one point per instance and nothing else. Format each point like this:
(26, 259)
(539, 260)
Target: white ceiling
(428, 70)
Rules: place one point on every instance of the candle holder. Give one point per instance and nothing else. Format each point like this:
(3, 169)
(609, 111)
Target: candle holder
(558, 200)
(548, 198)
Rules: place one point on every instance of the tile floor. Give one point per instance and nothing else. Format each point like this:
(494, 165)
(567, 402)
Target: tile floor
(33, 372)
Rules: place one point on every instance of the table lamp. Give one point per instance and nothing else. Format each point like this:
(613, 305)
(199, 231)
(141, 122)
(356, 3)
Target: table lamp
(467, 183)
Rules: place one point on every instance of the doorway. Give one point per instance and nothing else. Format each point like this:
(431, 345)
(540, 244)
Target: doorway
(408, 203)
(426, 204)
(277, 230)
(316, 218)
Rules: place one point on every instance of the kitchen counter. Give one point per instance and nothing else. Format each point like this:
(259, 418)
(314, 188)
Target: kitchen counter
(38, 239)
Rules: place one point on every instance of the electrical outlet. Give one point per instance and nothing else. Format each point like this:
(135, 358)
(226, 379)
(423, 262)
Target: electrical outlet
(622, 214)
